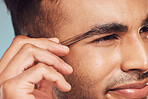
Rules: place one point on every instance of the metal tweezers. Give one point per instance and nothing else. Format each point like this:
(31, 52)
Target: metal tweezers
(76, 38)
(85, 35)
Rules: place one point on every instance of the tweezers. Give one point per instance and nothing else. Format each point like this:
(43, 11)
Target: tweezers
(75, 39)
(85, 35)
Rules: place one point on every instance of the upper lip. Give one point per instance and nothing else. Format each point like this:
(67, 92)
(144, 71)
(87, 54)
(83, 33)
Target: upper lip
(135, 85)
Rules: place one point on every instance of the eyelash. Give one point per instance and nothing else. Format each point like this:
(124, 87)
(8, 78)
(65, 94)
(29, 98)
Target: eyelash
(115, 36)
(106, 38)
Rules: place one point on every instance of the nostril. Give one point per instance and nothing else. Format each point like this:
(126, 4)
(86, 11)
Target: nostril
(135, 70)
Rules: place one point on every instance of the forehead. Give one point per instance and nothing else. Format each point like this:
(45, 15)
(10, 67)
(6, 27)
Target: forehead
(81, 15)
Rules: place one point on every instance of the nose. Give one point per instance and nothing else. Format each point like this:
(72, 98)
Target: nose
(134, 56)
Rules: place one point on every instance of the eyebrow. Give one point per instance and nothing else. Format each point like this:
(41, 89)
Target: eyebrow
(109, 28)
(145, 22)
(96, 30)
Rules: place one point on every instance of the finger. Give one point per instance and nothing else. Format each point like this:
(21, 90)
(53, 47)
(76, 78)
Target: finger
(24, 83)
(56, 40)
(50, 44)
(42, 71)
(29, 54)
(45, 87)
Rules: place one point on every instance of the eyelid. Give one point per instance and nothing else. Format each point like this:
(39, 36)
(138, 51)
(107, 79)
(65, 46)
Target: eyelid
(99, 38)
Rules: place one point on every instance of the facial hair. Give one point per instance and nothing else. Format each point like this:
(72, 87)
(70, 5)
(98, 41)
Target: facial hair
(83, 87)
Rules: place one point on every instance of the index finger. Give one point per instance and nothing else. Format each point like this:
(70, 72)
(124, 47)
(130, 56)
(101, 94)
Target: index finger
(50, 44)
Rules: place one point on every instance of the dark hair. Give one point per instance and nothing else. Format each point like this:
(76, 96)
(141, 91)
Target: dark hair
(29, 18)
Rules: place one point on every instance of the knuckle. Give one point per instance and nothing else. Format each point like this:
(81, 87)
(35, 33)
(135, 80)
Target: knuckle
(58, 76)
(52, 61)
(44, 69)
(28, 47)
(18, 40)
(51, 69)
(41, 67)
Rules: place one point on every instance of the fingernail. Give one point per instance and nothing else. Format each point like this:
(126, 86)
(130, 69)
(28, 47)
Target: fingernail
(63, 46)
(69, 68)
(54, 39)
(68, 87)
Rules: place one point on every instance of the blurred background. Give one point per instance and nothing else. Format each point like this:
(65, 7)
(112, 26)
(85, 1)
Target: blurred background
(6, 28)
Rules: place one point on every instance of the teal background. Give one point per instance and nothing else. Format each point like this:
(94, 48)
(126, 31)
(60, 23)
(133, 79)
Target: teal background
(6, 28)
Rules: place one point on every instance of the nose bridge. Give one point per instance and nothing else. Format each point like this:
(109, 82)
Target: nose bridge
(134, 54)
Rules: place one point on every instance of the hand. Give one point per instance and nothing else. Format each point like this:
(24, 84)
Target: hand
(29, 61)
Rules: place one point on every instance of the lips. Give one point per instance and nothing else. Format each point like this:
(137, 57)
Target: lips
(134, 90)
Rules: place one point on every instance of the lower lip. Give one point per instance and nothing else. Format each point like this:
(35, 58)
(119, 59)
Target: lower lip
(132, 93)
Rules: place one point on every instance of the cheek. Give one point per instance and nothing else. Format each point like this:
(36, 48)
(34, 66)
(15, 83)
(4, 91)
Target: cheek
(93, 63)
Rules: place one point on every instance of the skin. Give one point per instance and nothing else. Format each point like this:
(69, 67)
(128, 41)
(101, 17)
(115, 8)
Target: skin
(19, 75)
(118, 61)
(97, 66)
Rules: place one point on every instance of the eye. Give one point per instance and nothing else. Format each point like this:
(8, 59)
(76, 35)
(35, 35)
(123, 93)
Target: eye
(144, 32)
(144, 29)
(108, 38)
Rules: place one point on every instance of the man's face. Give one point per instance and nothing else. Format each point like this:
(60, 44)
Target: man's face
(111, 64)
